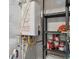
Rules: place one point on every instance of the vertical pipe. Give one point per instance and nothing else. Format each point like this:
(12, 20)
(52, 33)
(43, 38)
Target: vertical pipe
(43, 28)
(22, 49)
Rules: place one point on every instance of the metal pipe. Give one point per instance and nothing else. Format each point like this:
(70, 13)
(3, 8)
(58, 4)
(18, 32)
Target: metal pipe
(43, 28)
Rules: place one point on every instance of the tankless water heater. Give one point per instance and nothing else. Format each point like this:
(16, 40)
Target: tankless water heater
(30, 19)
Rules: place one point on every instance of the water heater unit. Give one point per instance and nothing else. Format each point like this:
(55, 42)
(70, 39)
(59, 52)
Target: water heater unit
(30, 23)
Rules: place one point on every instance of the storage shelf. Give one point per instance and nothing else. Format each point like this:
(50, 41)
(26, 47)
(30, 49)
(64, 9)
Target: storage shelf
(58, 14)
(66, 14)
(59, 41)
(56, 52)
(55, 32)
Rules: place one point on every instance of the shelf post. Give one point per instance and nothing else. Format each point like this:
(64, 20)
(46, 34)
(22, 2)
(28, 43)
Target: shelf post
(46, 35)
(43, 30)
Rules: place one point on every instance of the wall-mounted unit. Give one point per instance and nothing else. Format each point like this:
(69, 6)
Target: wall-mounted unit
(30, 19)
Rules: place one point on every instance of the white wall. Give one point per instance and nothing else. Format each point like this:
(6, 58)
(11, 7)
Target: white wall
(14, 19)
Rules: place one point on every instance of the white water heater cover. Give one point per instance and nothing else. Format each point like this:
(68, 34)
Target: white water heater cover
(29, 25)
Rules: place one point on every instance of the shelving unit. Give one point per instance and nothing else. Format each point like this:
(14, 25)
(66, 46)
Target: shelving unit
(58, 14)
(66, 14)
(55, 32)
(57, 53)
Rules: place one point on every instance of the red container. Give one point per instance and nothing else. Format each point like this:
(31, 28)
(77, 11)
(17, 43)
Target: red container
(50, 44)
(61, 46)
(55, 38)
(56, 44)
